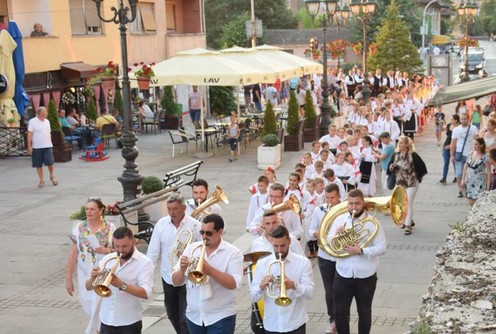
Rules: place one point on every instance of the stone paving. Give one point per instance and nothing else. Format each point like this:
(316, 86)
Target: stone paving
(36, 223)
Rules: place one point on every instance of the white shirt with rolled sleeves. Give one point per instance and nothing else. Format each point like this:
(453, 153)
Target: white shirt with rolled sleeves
(287, 318)
(291, 221)
(164, 235)
(317, 216)
(122, 308)
(191, 206)
(210, 302)
(360, 266)
(261, 244)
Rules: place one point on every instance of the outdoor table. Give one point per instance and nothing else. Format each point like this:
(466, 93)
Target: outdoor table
(208, 133)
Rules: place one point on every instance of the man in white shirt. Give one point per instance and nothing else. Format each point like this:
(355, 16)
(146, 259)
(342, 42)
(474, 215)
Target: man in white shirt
(131, 282)
(167, 232)
(200, 195)
(298, 282)
(356, 274)
(327, 263)
(390, 126)
(290, 219)
(212, 305)
(39, 144)
(332, 139)
(462, 140)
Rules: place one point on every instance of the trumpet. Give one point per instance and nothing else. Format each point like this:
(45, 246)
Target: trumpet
(195, 268)
(277, 285)
(218, 196)
(182, 241)
(101, 285)
(292, 204)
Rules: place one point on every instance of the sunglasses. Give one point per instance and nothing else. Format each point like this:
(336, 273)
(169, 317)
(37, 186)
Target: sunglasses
(207, 233)
(96, 199)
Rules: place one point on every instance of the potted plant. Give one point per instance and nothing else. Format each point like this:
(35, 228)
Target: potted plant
(311, 131)
(269, 152)
(150, 185)
(170, 109)
(315, 54)
(112, 214)
(62, 151)
(144, 73)
(91, 111)
(337, 48)
(107, 77)
(293, 141)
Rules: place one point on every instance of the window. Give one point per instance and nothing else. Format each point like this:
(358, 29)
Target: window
(84, 18)
(145, 19)
(170, 16)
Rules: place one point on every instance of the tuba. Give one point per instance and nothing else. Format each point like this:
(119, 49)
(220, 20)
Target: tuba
(195, 268)
(292, 204)
(183, 239)
(396, 205)
(101, 285)
(216, 197)
(277, 285)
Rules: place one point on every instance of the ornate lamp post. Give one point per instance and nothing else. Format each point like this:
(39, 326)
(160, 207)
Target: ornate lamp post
(313, 8)
(467, 11)
(130, 179)
(362, 10)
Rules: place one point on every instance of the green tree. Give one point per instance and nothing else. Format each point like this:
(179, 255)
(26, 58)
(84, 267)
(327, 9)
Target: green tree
(222, 101)
(310, 114)
(269, 120)
(168, 103)
(293, 114)
(395, 51)
(118, 103)
(274, 15)
(53, 117)
(305, 20)
(91, 112)
(234, 32)
(487, 16)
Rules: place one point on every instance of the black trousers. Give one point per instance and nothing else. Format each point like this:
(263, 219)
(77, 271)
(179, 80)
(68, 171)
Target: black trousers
(175, 305)
(363, 290)
(328, 271)
(300, 330)
(129, 329)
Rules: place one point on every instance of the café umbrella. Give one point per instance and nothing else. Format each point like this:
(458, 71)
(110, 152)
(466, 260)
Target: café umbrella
(21, 98)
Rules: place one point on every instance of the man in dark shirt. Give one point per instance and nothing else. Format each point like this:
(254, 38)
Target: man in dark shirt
(257, 97)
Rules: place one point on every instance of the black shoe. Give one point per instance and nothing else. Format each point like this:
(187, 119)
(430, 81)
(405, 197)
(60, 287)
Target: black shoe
(230, 160)
(443, 181)
(413, 223)
(454, 180)
(460, 195)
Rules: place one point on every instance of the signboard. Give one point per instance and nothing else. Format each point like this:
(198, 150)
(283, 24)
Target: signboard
(258, 28)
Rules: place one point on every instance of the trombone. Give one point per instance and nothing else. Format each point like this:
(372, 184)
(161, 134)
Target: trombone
(195, 268)
(277, 285)
(101, 285)
(182, 241)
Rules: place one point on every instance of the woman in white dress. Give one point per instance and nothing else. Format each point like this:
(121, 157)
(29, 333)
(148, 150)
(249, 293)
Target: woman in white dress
(91, 241)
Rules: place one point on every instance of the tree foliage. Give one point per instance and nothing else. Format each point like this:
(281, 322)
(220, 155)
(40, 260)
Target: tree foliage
(118, 102)
(168, 103)
(395, 51)
(310, 114)
(487, 16)
(274, 15)
(293, 114)
(234, 32)
(222, 101)
(91, 112)
(53, 117)
(269, 121)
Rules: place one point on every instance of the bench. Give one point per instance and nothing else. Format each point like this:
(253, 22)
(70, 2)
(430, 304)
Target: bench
(174, 179)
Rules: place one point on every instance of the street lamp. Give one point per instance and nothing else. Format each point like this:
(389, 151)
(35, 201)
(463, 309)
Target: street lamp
(362, 10)
(468, 11)
(313, 9)
(130, 179)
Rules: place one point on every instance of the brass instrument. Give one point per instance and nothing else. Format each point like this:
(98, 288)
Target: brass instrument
(101, 285)
(216, 197)
(277, 286)
(292, 204)
(396, 205)
(183, 239)
(195, 268)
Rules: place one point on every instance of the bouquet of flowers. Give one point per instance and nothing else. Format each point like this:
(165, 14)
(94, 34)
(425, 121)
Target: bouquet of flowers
(112, 209)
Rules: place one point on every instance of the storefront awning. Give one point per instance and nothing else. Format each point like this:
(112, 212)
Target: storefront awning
(441, 39)
(467, 90)
(76, 70)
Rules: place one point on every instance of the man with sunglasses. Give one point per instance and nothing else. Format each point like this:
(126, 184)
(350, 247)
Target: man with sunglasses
(164, 238)
(212, 305)
(200, 195)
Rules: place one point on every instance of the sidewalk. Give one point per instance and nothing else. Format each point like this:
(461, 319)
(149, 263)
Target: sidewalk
(35, 227)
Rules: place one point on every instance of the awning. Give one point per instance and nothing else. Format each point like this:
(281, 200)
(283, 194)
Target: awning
(76, 70)
(441, 39)
(467, 90)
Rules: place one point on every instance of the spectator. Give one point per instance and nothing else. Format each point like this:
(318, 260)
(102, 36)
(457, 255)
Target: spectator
(476, 172)
(38, 31)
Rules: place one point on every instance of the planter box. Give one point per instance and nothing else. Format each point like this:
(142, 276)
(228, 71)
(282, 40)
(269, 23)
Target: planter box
(62, 154)
(293, 143)
(171, 123)
(312, 134)
(269, 156)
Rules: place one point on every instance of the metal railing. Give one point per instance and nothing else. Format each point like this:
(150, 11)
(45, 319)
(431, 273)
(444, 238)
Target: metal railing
(13, 142)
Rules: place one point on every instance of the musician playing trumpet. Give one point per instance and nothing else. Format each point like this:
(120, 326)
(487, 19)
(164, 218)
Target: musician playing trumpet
(170, 234)
(211, 305)
(200, 195)
(298, 283)
(356, 274)
(131, 281)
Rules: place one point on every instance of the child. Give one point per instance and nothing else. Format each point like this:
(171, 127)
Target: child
(344, 171)
(324, 157)
(233, 135)
(350, 158)
(300, 169)
(330, 177)
(319, 190)
(258, 199)
(316, 146)
(270, 174)
(319, 168)
(367, 169)
(308, 162)
(440, 123)
(308, 210)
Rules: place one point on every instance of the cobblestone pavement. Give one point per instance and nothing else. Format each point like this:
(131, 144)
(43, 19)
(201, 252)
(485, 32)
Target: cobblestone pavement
(35, 225)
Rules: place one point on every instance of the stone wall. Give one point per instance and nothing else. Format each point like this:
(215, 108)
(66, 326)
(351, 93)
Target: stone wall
(462, 294)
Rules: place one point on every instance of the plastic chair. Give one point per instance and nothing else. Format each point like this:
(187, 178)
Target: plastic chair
(178, 138)
(109, 131)
(70, 137)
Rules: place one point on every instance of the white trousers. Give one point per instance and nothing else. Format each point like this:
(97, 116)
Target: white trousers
(411, 192)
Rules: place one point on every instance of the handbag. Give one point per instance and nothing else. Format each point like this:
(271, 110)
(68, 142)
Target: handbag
(391, 180)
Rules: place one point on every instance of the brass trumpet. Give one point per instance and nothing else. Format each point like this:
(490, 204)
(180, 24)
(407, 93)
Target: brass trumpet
(396, 205)
(195, 268)
(182, 241)
(101, 285)
(292, 204)
(217, 196)
(277, 286)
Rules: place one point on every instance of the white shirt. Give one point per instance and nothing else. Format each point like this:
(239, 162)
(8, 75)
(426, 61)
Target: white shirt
(287, 318)
(309, 171)
(122, 308)
(257, 200)
(333, 141)
(163, 238)
(148, 112)
(345, 170)
(391, 127)
(210, 302)
(191, 205)
(360, 266)
(291, 221)
(459, 134)
(41, 132)
(339, 183)
(317, 216)
(261, 244)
